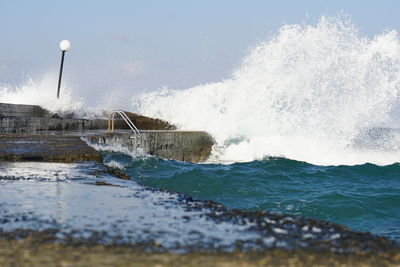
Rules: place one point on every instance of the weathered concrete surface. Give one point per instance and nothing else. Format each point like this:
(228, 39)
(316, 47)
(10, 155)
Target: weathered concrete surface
(18, 110)
(45, 124)
(192, 146)
(39, 125)
(34, 119)
(57, 212)
(177, 145)
(30, 119)
(50, 148)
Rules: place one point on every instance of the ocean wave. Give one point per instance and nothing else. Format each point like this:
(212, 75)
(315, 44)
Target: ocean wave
(307, 93)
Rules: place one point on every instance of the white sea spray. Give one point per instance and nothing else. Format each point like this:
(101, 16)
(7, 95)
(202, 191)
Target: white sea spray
(42, 92)
(306, 93)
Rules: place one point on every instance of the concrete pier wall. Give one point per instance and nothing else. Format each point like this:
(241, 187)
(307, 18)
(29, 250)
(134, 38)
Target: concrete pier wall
(15, 118)
(44, 124)
(156, 138)
(193, 146)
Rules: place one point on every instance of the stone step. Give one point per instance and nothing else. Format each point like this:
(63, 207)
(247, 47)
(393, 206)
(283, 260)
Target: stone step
(44, 124)
(48, 148)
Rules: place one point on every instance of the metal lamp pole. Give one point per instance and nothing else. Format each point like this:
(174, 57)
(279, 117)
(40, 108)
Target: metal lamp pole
(65, 45)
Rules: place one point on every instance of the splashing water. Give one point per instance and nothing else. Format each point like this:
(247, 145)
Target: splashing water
(42, 93)
(306, 93)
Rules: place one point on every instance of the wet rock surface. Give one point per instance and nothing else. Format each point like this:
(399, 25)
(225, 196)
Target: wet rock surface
(146, 123)
(83, 204)
(49, 148)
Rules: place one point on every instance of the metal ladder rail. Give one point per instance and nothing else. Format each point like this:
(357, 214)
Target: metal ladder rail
(125, 118)
(111, 121)
(128, 121)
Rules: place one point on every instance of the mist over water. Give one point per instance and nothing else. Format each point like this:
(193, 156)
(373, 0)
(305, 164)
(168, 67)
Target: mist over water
(308, 93)
(42, 92)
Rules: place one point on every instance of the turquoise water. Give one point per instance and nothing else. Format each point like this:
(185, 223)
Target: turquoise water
(363, 197)
(323, 95)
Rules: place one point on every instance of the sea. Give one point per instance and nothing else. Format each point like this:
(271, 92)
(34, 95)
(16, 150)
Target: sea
(307, 124)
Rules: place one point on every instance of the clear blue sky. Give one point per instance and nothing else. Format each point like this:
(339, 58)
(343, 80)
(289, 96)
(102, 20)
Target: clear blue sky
(144, 45)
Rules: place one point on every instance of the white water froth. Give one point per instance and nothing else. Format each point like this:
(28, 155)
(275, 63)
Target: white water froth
(42, 93)
(110, 146)
(305, 94)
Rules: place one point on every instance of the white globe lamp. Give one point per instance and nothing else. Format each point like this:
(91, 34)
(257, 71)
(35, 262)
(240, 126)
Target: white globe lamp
(65, 45)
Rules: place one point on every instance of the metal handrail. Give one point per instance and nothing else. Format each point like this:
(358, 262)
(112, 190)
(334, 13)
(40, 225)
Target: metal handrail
(111, 119)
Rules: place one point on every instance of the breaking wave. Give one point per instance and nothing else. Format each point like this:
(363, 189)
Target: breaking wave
(316, 93)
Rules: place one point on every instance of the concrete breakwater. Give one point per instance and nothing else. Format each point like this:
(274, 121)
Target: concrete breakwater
(34, 119)
(17, 118)
(157, 137)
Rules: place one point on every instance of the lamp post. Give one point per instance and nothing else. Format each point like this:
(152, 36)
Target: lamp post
(65, 45)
